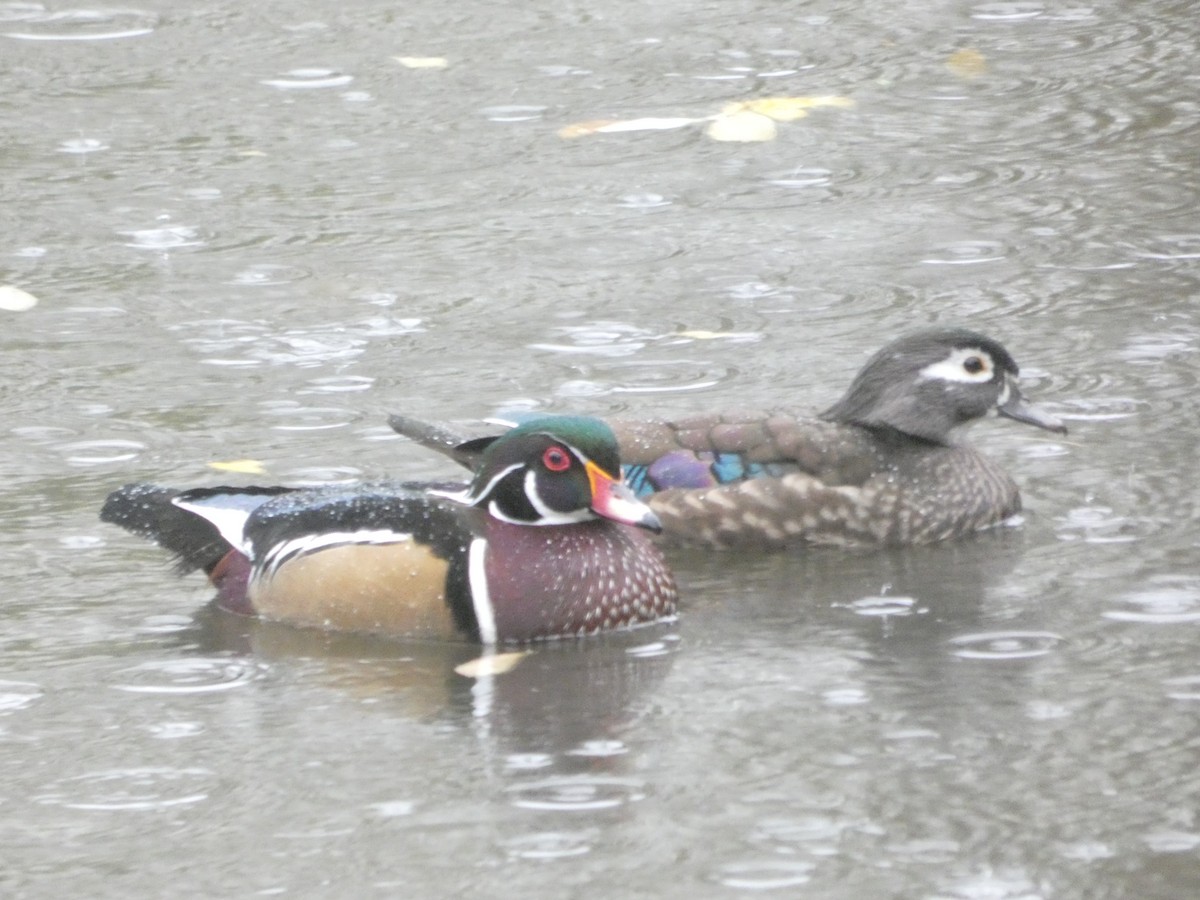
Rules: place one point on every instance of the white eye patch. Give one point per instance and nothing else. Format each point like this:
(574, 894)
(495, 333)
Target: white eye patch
(964, 365)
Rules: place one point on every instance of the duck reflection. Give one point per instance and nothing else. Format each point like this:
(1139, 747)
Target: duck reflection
(562, 703)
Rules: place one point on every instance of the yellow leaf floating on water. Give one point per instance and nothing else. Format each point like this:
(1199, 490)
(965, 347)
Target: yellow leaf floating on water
(422, 62)
(14, 299)
(241, 466)
(491, 664)
(580, 129)
(742, 125)
(747, 120)
(788, 109)
(967, 63)
(612, 126)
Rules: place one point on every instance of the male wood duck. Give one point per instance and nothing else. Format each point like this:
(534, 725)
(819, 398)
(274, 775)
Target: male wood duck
(878, 468)
(538, 545)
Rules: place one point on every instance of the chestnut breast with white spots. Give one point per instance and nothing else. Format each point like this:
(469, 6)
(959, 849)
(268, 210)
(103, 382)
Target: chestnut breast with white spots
(573, 579)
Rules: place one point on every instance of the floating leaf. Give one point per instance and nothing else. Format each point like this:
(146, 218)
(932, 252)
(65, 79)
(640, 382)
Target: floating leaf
(580, 129)
(612, 126)
(743, 125)
(491, 664)
(967, 63)
(788, 109)
(241, 466)
(14, 299)
(422, 62)
(749, 120)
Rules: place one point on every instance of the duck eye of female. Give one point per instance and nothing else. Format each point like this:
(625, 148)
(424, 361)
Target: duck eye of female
(973, 365)
(556, 459)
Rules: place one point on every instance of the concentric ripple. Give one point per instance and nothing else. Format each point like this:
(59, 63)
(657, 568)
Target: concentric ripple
(166, 237)
(551, 844)
(1096, 525)
(33, 22)
(101, 452)
(771, 874)
(1005, 645)
(884, 605)
(309, 79)
(138, 789)
(1167, 600)
(577, 793)
(189, 676)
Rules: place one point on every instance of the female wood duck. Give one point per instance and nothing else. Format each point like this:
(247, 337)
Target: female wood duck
(878, 468)
(536, 546)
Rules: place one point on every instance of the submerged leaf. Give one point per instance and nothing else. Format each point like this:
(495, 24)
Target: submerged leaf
(241, 466)
(14, 299)
(491, 664)
(967, 63)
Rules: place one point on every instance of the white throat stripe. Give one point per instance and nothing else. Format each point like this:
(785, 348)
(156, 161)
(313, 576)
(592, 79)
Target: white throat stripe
(485, 615)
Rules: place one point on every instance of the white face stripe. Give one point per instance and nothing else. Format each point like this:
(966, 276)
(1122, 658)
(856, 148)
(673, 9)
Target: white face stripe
(952, 368)
(485, 615)
(551, 516)
(471, 498)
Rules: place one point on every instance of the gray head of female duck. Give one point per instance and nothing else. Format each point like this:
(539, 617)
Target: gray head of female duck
(928, 383)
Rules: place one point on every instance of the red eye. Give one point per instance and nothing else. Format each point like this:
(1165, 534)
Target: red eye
(556, 459)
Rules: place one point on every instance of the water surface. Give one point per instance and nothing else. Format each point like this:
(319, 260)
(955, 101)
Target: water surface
(253, 232)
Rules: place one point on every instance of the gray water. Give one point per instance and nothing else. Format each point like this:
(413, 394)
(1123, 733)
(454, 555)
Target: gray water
(253, 233)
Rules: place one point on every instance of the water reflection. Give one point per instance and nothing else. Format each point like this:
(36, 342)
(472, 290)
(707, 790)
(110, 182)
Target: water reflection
(563, 704)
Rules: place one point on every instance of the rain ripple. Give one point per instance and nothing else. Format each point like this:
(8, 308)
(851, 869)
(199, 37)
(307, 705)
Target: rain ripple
(610, 339)
(168, 237)
(884, 605)
(1168, 600)
(551, 844)
(1184, 687)
(967, 253)
(138, 789)
(189, 676)
(765, 875)
(577, 794)
(610, 346)
(1171, 247)
(993, 886)
(309, 79)
(39, 24)
(18, 695)
(237, 343)
(1096, 525)
(101, 452)
(1005, 645)
(269, 275)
